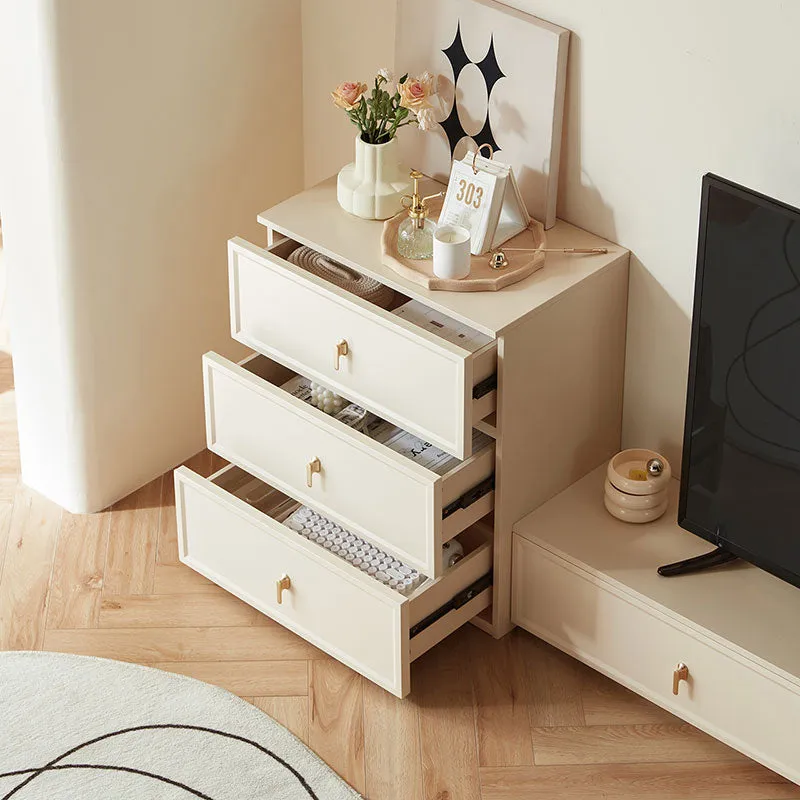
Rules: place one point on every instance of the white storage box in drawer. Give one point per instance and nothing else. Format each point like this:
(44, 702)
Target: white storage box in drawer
(392, 367)
(361, 484)
(350, 615)
(727, 695)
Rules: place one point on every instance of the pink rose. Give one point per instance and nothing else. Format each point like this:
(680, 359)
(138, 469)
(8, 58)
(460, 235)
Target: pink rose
(347, 94)
(415, 93)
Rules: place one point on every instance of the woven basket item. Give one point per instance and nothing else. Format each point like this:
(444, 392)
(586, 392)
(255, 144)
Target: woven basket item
(354, 282)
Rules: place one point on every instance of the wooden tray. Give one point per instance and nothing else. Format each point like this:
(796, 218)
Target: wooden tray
(481, 278)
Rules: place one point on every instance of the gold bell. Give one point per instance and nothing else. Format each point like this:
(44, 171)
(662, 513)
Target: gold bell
(498, 260)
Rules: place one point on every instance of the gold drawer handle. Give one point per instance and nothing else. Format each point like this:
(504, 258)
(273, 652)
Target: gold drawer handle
(342, 349)
(681, 673)
(282, 584)
(311, 468)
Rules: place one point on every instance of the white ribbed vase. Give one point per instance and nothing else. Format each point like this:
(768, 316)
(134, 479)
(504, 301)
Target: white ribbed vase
(371, 187)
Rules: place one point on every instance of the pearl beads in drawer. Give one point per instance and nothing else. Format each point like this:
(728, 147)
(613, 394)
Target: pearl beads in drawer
(326, 400)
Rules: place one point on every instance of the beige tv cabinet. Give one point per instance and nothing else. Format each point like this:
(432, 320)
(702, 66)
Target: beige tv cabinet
(556, 345)
(719, 649)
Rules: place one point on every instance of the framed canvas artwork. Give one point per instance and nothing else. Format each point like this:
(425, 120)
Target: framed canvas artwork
(500, 78)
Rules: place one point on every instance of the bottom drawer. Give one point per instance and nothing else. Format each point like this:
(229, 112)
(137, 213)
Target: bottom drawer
(230, 530)
(727, 695)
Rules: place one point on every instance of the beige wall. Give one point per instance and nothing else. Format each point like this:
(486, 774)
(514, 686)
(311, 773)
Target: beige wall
(659, 93)
(342, 40)
(138, 137)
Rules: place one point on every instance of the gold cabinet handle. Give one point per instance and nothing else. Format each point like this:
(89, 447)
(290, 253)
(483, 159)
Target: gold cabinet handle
(281, 585)
(342, 349)
(313, 466)
(680, 673)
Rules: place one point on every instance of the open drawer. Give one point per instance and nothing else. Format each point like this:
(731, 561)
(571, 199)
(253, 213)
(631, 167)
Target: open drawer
(394, 368)
(363, 485)
(244, 547)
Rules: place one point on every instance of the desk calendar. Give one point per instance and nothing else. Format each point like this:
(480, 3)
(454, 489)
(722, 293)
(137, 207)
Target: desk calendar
(483, 196)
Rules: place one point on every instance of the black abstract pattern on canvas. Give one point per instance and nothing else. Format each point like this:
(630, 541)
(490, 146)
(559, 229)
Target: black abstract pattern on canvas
(491, 72)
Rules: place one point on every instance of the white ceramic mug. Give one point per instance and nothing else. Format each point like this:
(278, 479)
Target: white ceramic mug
(451, 256)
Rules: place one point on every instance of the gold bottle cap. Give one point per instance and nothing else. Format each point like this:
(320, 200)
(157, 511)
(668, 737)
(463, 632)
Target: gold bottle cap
(416, 204)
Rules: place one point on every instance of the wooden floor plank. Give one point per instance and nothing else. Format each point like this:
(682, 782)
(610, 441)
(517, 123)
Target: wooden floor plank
(392, 757)
(27, 567)
(607, 703)
(167, 549)
(501, 700)
(336, 725)
(554, 683)
(442, 689)
(174, 611)
(246, 678)
(77, 582)
(180, 579)
(626, 744)
(291, 712)
(6, 511)
(740, 780)
(147, 645)
(132, 541)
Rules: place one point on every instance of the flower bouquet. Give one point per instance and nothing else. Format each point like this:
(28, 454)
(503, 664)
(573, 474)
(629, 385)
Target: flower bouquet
(371, 187)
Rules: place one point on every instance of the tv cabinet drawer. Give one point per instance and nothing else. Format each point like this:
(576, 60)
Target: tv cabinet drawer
(241, 544)
(394, 368)
(727, 694)
(362, 484)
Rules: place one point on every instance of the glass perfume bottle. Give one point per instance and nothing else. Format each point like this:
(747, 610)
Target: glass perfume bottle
(415, 234)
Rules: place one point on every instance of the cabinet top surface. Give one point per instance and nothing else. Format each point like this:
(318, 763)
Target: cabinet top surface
(314, 218)
(740, 604)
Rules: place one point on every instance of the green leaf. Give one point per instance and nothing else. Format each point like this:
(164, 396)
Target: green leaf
(403, 79)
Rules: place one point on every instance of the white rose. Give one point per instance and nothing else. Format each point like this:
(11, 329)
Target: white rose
(426, 120)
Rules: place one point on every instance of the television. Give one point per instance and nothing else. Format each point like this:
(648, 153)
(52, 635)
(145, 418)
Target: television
(740, 481)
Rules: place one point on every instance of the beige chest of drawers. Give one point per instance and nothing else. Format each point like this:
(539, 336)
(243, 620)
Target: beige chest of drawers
(587, 583)
(556, 346)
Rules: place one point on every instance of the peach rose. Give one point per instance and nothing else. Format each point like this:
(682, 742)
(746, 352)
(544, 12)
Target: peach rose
(415, 93)
(347, 94)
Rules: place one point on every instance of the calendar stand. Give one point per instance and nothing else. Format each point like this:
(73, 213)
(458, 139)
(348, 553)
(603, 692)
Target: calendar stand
(482, 278)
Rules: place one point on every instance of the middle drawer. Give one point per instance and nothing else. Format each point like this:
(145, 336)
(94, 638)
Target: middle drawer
(361, 484)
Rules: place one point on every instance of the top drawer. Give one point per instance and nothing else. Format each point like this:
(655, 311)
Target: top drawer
(395, 369)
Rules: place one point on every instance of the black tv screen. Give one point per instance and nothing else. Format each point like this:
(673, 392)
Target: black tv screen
(740, 482)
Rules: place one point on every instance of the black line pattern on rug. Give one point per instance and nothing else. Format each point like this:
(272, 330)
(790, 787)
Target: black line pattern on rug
(35, 772)
(111, 768)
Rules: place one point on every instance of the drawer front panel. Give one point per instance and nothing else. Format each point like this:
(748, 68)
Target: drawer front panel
(362, 485)
(355, 619)
(728, 696)
(401, 373)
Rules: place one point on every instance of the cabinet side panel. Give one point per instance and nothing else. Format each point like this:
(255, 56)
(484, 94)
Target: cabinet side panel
(559, 407)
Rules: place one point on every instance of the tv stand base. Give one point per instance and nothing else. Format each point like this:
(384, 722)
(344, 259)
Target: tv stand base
(716, 558)
(586, 582)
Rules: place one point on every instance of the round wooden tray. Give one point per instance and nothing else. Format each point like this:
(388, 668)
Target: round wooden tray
(481, 278)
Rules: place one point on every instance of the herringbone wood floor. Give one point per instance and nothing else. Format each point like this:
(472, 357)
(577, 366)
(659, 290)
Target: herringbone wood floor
(490, 720)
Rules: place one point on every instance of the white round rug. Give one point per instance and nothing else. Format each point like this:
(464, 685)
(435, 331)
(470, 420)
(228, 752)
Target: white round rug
(91, 729)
